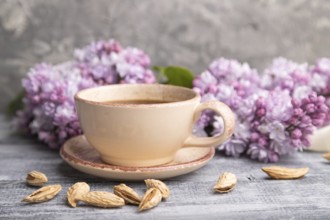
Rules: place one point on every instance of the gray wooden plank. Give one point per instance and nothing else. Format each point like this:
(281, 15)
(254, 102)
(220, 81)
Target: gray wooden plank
(255, 197)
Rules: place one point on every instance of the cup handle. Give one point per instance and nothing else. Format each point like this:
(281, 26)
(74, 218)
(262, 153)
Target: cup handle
(229, 124)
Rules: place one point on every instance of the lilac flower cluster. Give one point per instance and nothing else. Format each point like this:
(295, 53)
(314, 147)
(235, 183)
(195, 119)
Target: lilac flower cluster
(283, 124)
(321, 71)
(107, 63)
(49, 110)
(48, 103)
(275, 114)
(234, 84)
(227, 81)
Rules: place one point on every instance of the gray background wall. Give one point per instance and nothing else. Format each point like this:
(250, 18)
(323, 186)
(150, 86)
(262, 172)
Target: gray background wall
(180, 32)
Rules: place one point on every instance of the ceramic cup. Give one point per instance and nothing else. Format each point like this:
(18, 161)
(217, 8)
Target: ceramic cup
(145, 134)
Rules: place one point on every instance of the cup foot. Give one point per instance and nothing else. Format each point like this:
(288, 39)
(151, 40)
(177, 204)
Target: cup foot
(137, 163)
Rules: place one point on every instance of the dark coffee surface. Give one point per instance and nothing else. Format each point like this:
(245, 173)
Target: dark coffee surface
(135, 102)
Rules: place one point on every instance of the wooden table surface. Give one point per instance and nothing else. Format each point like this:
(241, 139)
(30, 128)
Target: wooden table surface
(192, 197)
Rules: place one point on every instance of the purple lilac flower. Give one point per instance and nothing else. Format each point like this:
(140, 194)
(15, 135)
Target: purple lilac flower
(321, 82)
(239, 142)
(275, 116)
(268, 126)
(227, 81)
(49, 107)
(106, 62)
(299, 79)
(232, 83)
(49, 110)
(309, 113)
(286, 74)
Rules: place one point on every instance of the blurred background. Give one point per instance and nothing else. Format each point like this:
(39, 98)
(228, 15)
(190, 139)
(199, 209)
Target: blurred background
(189, 33)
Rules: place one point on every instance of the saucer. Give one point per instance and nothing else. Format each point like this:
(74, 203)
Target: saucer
(80, 155)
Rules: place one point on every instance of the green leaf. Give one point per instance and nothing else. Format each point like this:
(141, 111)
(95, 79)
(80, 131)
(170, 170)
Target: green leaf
(179, 76)
(161, 78)
(159, 69)
(16, 104)
(176, 75)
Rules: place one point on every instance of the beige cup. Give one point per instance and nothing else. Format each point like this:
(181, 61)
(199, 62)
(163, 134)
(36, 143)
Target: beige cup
(145, 134)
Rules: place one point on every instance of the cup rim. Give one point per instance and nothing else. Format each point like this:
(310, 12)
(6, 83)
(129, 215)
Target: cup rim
(196, 96)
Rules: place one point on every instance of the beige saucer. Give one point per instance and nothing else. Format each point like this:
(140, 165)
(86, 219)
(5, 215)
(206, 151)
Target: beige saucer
(80, 155)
